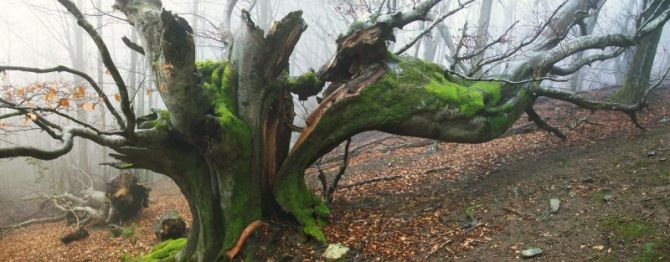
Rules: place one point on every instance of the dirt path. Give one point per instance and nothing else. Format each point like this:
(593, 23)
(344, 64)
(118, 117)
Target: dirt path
(614, 197)
(614, 206)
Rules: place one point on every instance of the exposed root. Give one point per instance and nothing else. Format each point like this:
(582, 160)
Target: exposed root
(246, 233)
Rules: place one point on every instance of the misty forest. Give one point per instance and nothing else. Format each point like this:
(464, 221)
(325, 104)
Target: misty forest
(340, 130)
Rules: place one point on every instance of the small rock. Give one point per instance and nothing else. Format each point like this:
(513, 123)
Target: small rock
(335, 251)
(663, 120)
(663, 159)
(554, 205)
(531, 253)
(651, 153)
(599, 248)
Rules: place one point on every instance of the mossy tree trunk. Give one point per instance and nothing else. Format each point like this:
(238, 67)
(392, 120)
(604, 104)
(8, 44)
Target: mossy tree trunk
(224, 138)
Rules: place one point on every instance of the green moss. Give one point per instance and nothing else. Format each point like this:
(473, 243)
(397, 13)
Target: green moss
(164, 251)
(305, 85)
(657, 250)
(305, 207)
(627, 229)
(218, 80)
(409, 87)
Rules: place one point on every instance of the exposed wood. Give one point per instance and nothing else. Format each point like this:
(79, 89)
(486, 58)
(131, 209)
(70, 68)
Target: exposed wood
(127, 198)
(231, 253)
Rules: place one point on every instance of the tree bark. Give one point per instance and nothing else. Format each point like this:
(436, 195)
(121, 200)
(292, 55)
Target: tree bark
(637, 78)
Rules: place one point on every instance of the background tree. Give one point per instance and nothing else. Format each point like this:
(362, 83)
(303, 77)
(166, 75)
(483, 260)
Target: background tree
(225, 137)
(642, 61)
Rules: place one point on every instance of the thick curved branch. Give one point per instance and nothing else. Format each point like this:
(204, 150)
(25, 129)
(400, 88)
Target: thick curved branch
(574, 67)
(69, 133)
(533, 116)
(568, 48)
(108, 62)
(573, 14)
(629, 109)
(134, 46)
(83, 75)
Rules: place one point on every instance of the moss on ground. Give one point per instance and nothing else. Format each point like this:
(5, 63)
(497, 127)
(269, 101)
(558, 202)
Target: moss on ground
(656, 250)
(628, 229)
(163, 252)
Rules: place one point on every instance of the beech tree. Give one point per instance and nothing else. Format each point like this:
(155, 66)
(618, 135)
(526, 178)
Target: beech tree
(642, 62)
(225, 136)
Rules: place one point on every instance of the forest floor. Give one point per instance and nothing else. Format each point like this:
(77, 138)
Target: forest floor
(612, 181)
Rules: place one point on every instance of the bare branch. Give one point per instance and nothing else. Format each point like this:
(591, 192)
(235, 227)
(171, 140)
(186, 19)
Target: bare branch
(134, 46)
(68, 138)
(448, 73)
(83, 75)
(631, 110)
(532, 115)
(431, 26)
(574, 67)
(108, 62)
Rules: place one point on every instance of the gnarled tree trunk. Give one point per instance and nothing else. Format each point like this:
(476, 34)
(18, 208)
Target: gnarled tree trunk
(225, 136)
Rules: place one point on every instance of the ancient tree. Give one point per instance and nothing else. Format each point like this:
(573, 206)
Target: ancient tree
(225, 136)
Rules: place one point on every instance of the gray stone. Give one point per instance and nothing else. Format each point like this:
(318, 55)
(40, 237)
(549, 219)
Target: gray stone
(531, 253)
(335, 251)
(554, 205)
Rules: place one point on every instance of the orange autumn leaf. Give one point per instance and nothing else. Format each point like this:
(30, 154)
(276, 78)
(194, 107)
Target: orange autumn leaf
(79, 92)
(22, 92)
(162, 87)
(64, 102)
(51, 95)
(88, 106)
(117, 97)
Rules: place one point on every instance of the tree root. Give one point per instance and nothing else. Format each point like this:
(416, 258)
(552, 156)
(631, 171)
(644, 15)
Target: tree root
(246, 233)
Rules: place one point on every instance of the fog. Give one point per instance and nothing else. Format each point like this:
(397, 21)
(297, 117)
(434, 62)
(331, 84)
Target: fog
(40, 33)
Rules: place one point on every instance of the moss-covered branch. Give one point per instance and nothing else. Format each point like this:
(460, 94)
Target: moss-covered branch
(406, 97)
(305, 86)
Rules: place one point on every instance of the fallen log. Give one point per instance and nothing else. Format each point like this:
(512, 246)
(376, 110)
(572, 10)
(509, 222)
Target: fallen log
(79, 234)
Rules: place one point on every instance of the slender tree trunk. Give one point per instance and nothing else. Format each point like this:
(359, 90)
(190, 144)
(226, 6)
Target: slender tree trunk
(81, 154)
(640, 67)
(482, 30)
(100, 79)
(591, 22)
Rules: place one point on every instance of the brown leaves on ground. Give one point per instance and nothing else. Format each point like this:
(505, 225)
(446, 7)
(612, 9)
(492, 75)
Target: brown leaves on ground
(404, 219)
(42, 242)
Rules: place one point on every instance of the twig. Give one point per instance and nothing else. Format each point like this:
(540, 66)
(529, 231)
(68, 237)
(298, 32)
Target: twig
(371, 180)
